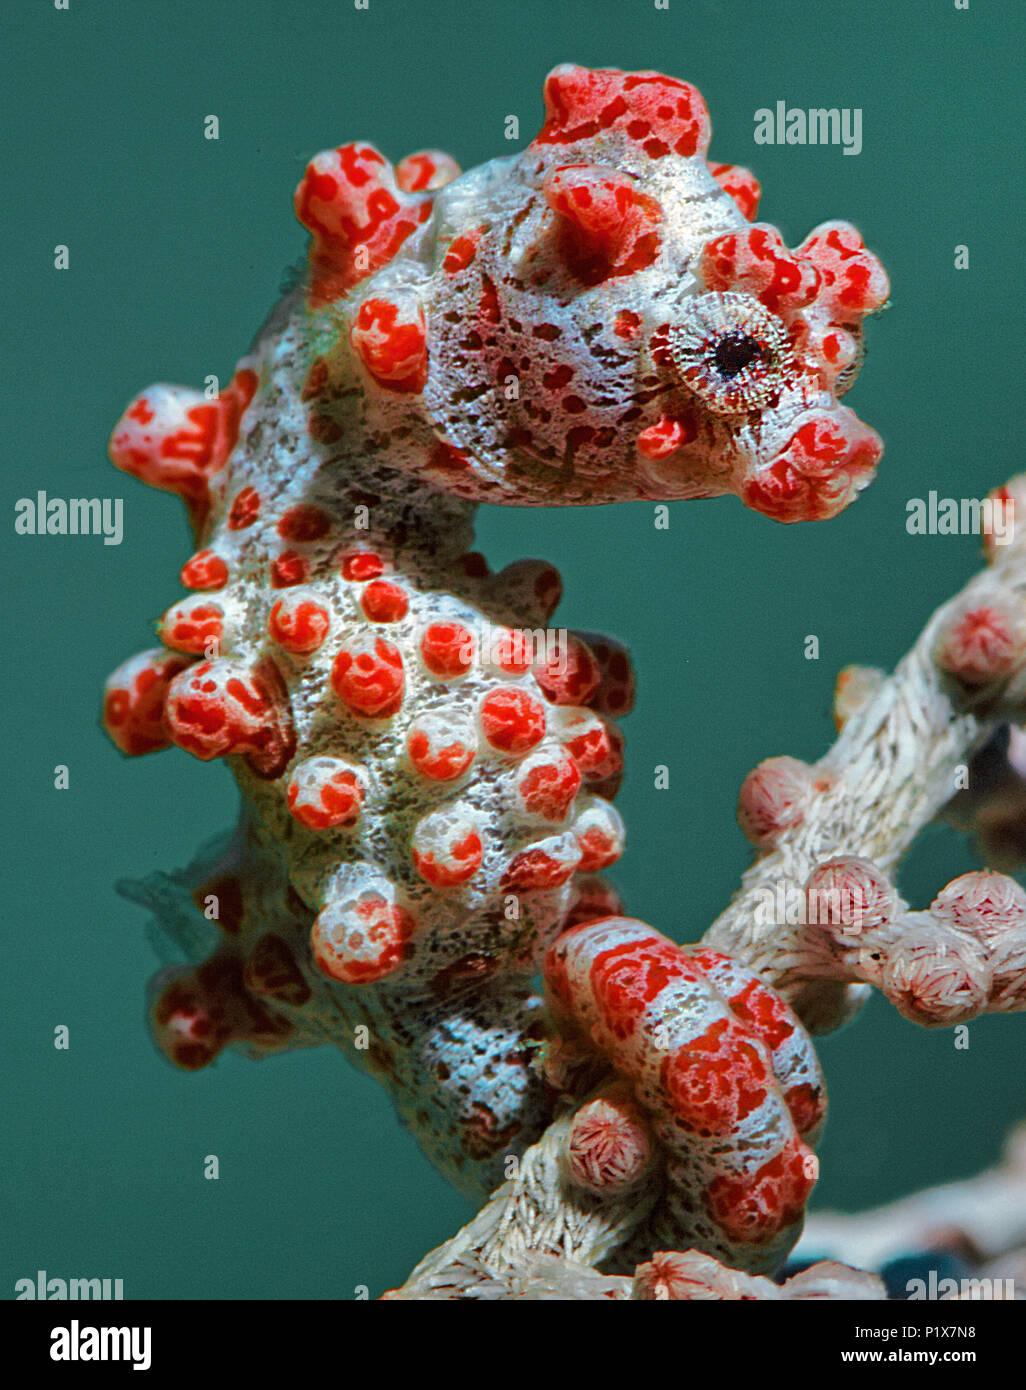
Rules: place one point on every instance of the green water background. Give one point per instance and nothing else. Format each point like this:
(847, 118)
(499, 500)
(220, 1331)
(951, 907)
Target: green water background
(177, 247)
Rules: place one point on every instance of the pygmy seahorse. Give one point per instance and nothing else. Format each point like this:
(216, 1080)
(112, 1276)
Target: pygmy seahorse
(426, 778)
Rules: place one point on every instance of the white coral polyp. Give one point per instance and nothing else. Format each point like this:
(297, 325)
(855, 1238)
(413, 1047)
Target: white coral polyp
(984, 903)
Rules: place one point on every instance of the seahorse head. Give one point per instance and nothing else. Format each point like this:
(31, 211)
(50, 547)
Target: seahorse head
(594, 319)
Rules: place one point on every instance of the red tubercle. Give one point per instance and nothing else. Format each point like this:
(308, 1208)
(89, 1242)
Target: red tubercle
(441, 747)
(218, 708)
(627, 324)
(244, 509)
(741, 184)
(360, 942)
(360, 565)
(755, 261)
(195, 625)
(368, 677)
(547, 784)
(205, 570)
(716, 1080)
(167, 439)
(303, 523)
(358, 215)
(447, 650)
(599, 835)
(754, 1208)
(288, 569)
(390, 340)
(763, 1010)
(853, 283)
(446, 849)
(133, 705)
(658, 115)
(607, 227)
(595, 744)
(298, 623)
(542, 867)
(384, 602)
(426, 170)
(807, 1104)
(570, 675)
(668, 434)
(512, 720)
(325, 792)
(821, 470)
(512, 651)
(462, 250)
(175, 439)
(627, 977)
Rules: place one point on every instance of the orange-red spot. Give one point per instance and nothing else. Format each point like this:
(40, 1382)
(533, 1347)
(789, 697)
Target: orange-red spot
(461, 251)
(393, 348)
(204, 570)
(370, 681)
(244, 510)
(717, 1080)
(513, 720)
(384, 602)
(361, 565)
(447, 650)
(303, 523)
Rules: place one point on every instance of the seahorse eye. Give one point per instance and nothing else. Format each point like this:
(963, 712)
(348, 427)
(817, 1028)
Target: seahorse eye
(735, 351)
(731, 352)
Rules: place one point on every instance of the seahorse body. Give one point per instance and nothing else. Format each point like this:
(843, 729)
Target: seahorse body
(426, 790)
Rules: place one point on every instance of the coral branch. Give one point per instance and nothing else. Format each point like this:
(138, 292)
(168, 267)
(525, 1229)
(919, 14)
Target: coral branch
(904, 741)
